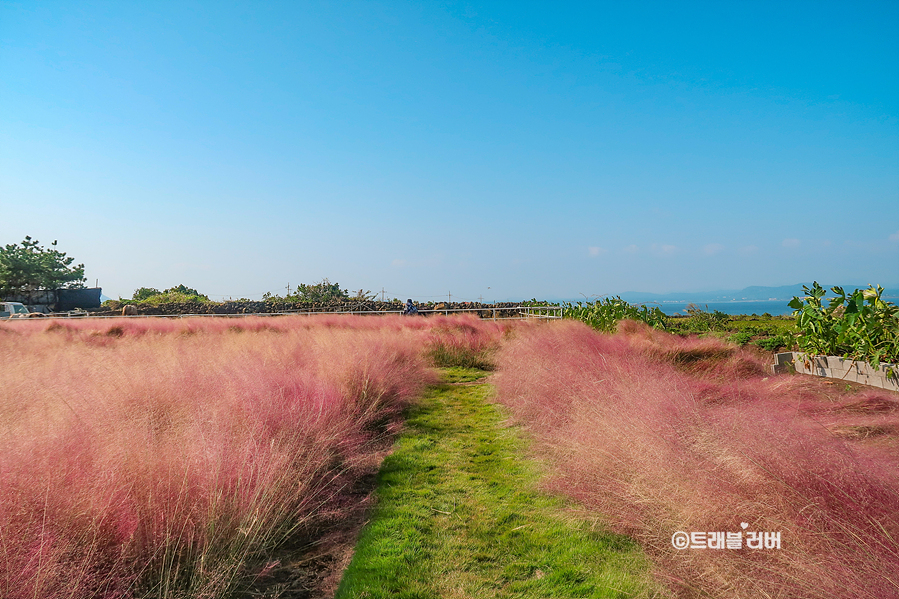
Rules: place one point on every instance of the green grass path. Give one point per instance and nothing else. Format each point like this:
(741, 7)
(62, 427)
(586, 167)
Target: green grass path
(458, 515)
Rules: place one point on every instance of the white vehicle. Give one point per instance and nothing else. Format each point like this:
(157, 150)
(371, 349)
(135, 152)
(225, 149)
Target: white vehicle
(13, 310)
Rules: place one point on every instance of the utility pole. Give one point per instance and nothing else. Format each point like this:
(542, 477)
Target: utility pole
(288, 289)
(449, 297)
(382, 294)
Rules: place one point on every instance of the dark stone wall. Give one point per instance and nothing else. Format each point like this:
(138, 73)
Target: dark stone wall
(268, 307)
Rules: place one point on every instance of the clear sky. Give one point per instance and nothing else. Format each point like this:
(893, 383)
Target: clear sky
(503, 150)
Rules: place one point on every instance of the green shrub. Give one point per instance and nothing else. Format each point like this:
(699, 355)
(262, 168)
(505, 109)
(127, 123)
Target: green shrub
(858, 325)
(742, 338)
(179, 294)
(604, 315)
(774, 343)
(144, 293)
(702, 320)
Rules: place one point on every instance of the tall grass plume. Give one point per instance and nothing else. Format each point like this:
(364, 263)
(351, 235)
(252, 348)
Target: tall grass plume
(158, 458)
(657, 434)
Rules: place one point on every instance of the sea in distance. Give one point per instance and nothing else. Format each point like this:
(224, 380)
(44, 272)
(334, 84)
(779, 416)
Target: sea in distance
(759, 307)
(748, 301)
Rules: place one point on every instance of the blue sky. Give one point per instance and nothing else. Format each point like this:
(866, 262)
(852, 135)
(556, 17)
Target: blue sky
(499, 150)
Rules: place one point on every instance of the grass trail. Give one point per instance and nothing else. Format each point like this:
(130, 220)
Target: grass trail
(458, 515)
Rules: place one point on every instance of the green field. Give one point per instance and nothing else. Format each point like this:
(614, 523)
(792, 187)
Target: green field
(770, 333)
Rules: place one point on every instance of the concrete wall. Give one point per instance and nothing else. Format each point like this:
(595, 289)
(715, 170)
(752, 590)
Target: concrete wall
(834, 367)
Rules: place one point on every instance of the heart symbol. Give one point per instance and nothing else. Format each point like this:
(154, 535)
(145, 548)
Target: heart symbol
(744, 525)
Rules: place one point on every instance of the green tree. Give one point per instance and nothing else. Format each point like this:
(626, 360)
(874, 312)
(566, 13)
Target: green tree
(179, 293)
(28, 266)
(322, 291)
(145, 293)
(183, 289)
(364, 296)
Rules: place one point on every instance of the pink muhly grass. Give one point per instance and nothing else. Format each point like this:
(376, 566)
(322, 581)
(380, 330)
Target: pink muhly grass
(167, 457)
(464, 341)
(659, 434)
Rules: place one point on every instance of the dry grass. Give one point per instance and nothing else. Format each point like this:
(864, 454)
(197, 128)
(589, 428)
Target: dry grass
(663, 434)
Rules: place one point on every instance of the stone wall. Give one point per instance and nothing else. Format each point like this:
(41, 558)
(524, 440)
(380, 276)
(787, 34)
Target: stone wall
(269, 307)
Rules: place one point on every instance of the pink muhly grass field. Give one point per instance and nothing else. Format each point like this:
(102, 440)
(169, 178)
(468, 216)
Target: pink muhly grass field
(657, 434)
(465, 341)
(165, 458)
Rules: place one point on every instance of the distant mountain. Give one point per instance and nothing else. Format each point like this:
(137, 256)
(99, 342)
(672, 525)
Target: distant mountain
(754, 293)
